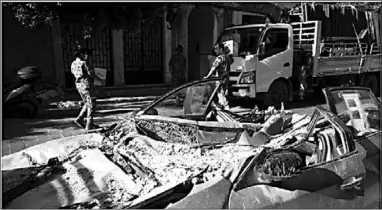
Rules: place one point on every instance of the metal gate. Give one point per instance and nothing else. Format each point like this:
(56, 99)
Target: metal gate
(99, 43)
(143, 54)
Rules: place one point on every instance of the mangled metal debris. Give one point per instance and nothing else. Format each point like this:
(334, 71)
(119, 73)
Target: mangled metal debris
(149, 161)
(177, 152)
(69, 105)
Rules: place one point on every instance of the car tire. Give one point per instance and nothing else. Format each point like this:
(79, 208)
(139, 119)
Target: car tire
(277, 93)
(371, 82)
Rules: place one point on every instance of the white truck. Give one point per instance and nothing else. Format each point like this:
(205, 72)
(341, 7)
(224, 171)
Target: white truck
(268, 59)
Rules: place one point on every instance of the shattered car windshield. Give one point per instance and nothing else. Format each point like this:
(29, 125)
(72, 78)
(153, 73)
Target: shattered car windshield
(247, 38)
(359, 109)
(187, 101)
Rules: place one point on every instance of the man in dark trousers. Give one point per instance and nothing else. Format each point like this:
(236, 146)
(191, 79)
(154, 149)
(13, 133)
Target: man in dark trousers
(85, 85)
(220, 68)
(177, 66)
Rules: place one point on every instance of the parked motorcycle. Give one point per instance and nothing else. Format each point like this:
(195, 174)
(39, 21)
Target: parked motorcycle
(25, 98)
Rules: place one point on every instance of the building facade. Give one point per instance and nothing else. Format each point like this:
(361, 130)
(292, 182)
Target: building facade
(131, 58)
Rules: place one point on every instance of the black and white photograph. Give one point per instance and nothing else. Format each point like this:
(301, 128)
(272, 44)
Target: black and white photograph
(193, 105)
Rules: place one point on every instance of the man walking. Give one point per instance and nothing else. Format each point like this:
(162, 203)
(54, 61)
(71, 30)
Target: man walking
(85, 85)
(220, 68)
(177, 66)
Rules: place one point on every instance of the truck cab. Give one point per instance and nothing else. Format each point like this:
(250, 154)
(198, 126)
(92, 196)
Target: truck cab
(273, 61)
(263, 59)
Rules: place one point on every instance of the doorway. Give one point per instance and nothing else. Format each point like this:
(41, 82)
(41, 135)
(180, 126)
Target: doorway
(200, 40)
(143, 54)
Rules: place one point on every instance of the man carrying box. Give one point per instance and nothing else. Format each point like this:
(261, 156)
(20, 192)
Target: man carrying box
(221, 67)
(85, 85)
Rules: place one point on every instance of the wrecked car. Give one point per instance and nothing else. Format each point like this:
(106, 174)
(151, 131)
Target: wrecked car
(191, 114)
(183, 151)
(330, 162)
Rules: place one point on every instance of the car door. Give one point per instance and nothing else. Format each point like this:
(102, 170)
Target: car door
(361, 111)
(174, 116)
(179, 117)
(333, 180)
(190, 101)
(277, 60)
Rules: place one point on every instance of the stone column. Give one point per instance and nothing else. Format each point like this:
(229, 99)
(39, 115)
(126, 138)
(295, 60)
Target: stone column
(167, 51)
(219, 13)
(235, 18)
(182, 31)
(119, 70)
(57, 51)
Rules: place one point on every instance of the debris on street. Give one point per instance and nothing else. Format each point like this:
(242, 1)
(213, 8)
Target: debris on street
(69, 105)
(148, 164)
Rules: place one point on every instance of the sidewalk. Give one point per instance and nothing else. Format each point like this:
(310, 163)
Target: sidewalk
(53, 123)
(19, 134)
(124, 93)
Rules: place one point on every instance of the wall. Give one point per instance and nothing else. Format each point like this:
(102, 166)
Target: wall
(215, 19)
(200, 40)
(22, 47)
(179, 33)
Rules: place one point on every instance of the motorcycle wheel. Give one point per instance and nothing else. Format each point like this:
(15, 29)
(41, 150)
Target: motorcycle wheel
(28, 108)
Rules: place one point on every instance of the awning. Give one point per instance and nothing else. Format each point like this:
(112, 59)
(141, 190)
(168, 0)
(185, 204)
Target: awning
(271, 10)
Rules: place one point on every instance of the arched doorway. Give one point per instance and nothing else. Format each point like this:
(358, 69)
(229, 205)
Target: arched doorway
(200, 40)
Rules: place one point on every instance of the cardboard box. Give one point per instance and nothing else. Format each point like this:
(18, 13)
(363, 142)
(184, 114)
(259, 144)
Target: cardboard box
(101, 73)
(233, 47)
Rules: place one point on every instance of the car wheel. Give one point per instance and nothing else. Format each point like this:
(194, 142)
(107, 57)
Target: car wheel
(277, 93)
(371, 82)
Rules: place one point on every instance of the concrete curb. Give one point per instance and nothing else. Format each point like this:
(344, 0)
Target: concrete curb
(73, 113)
(115, 100)
(127, 99)
(53, 106)
(125, 94)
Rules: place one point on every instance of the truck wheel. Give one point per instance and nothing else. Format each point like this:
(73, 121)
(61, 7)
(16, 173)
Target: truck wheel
(277, 93)
(371, 82)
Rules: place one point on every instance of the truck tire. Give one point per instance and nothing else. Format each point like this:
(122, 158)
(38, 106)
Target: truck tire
(371, 82)
(277, 93)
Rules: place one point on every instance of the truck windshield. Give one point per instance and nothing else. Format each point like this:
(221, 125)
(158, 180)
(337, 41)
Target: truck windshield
(246, 38)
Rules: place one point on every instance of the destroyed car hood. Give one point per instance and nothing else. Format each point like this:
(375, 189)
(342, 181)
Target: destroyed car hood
(216, 190)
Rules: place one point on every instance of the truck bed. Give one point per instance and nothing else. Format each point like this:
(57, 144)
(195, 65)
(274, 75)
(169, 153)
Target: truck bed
(351, 58)
(335, 55)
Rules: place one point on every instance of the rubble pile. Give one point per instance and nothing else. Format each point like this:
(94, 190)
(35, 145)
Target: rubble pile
(171, 163)
(119, 194)
(123, 131)
(150, 164)
(257, 113)
(295, 127)
(69, 105)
